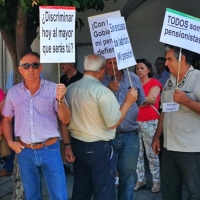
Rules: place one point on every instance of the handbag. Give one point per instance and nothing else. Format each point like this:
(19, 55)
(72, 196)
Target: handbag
(4, 148)
(155, 110)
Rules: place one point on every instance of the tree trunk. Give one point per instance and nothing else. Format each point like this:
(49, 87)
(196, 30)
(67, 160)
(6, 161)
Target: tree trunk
(18, 187)
(21, 46)
(11, 46)
(21, 41)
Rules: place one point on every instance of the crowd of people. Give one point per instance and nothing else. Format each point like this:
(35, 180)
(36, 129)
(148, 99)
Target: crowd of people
(108, 121)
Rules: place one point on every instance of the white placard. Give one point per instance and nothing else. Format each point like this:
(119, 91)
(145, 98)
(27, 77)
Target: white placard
(100, 34)
(122, 45)
(170, 107)
(181, 30)
(57, 34)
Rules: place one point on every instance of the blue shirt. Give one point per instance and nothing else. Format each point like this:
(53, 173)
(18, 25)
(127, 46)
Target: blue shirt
(10, 81)
(163, 78)
(129, 123)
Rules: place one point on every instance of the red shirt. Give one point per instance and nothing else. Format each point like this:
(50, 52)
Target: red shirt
(147, 113)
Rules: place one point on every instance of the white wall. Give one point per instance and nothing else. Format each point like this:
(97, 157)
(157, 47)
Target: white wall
(84, 35)
(144, 25)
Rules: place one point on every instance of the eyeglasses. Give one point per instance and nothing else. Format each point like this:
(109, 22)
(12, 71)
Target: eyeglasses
(28, 65)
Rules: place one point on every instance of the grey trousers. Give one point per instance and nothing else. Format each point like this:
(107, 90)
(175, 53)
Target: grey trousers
(176, 167)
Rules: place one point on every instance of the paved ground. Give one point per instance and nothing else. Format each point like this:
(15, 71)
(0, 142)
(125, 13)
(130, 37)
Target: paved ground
(6, 189)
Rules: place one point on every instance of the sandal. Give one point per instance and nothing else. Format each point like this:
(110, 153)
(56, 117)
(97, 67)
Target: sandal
(156, 187)
(139, 185)
(116, 181)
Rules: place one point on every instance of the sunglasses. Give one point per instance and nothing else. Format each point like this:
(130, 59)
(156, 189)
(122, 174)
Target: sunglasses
(28, 65)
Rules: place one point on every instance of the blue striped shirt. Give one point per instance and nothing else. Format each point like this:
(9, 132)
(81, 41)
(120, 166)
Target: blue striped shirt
(130, 121)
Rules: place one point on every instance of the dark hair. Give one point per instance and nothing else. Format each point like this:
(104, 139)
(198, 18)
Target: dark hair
(161, 58)
(29, 53)
(188, 54)
(74, 64)
(147, 64)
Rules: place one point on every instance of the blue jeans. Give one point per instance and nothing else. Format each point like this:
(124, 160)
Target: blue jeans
(48, 161)
(94, 172)
(126, 150)
(9, 164)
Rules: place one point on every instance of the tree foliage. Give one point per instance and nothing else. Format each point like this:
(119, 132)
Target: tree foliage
(19, 20)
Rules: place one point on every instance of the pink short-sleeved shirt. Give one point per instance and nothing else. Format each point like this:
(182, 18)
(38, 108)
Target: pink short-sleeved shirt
(2, 95)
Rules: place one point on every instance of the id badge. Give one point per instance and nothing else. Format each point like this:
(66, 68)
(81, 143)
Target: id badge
(170, 107)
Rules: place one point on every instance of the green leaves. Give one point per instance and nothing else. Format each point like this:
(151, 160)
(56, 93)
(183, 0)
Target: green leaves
(67, 3)
(3, 13)
(2, 2)
(24, 5)
(8, 10)
(76, 4)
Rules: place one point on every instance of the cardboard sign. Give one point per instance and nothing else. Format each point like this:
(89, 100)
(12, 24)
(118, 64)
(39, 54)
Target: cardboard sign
(122, 45)
(57, 34)
(100, 34)
(181, 30)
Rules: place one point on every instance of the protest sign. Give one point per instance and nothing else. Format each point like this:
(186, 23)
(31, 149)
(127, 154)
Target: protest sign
(181, 30)
(57, 34)
(100, 34)
(122, 45)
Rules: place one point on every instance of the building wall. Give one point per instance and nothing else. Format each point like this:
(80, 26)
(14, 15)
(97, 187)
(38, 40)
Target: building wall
(145, 23)
(144, 26)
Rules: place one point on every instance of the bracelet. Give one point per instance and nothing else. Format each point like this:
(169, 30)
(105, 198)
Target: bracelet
(60, 100)
(67, 144)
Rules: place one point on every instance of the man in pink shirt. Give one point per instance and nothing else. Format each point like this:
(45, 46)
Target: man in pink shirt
(36, 103)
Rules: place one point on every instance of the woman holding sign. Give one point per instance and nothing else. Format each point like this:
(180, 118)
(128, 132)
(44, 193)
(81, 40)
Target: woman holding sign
(148, 119)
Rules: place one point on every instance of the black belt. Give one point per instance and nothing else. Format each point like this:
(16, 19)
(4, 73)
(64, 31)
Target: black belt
(124, 132)
(89, 142)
